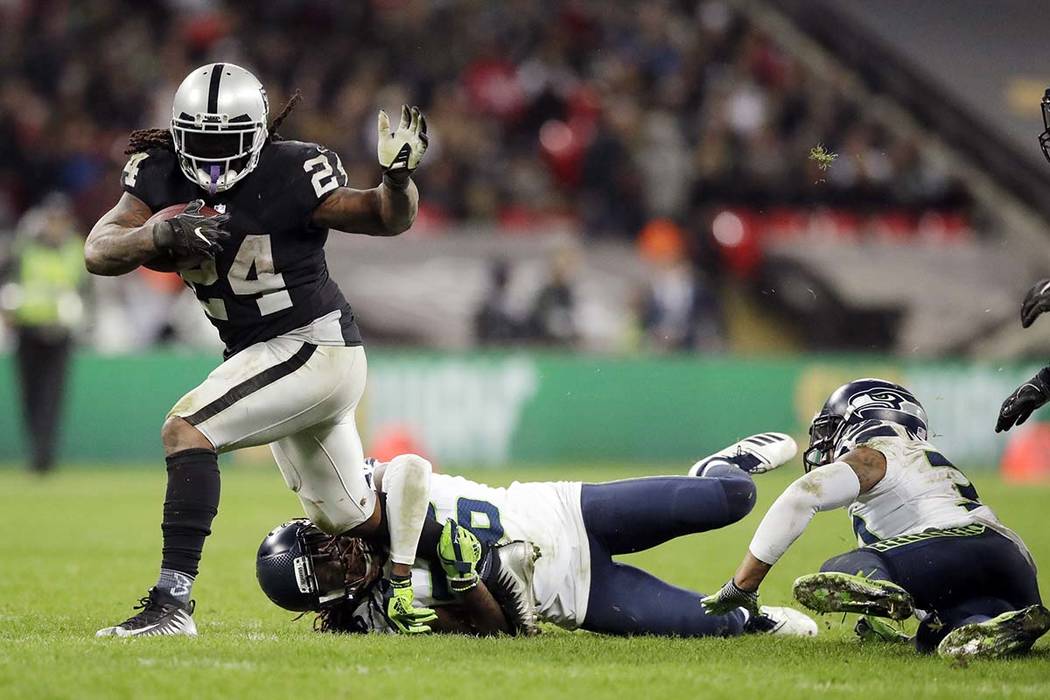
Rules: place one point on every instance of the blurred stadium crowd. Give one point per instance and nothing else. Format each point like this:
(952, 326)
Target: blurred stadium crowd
(606, 111)
(603, 116)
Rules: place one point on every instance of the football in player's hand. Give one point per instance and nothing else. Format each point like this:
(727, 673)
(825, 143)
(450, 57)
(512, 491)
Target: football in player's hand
(164, 262)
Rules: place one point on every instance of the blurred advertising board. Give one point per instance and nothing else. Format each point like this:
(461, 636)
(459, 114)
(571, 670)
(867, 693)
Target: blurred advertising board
(498, 408)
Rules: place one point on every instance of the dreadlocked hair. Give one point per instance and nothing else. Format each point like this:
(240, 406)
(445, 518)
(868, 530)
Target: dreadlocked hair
(145, 139)
(363, 567)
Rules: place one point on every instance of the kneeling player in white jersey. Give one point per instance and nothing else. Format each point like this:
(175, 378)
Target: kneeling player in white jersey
(574, 528)
(928, 544)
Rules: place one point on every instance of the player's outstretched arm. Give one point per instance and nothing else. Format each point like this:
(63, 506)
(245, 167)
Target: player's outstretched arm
(390, 208)
(835, 485)
(406, 482)
(119, 242)
(380, 211)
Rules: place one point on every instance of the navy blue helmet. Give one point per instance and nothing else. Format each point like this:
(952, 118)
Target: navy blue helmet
(856, 402)
(300, 568)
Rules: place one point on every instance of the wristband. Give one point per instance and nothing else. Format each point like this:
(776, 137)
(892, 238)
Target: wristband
(396, 182)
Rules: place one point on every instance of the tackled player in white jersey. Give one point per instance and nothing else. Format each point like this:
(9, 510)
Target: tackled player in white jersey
(540, 551)
(928, 544)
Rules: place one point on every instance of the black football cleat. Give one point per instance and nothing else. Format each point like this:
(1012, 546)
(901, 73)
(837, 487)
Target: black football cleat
(162, 615)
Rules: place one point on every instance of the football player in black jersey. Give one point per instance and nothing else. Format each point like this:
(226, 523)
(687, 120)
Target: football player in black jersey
(294, 367)
(1035, 392)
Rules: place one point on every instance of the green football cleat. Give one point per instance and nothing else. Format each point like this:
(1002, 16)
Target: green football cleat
(837, 592)
(1010, 633)
(874, 629)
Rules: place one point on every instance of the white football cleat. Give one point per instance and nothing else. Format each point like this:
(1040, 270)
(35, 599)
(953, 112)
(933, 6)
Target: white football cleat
(785, 622)
(757, 454)
(509, 579)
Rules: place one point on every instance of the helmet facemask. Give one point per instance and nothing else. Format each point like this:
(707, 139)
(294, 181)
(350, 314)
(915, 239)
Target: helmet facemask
(354, 569)
(216, 152)
(347, 568)
(824, 433)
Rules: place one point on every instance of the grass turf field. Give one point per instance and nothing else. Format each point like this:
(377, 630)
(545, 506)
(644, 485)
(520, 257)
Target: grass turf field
(79, 548)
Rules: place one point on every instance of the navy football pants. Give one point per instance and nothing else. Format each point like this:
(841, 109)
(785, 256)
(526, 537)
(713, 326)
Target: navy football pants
(959, 576)
(635, 514)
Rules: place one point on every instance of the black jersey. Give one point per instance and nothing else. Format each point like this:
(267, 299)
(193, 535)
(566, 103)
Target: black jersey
(271, 276)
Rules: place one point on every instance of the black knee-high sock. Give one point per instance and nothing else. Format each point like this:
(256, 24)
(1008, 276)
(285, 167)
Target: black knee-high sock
(191, 502)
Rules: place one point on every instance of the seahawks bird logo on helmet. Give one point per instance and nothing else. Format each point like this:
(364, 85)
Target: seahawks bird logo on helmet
(219, 125)
(858, 401)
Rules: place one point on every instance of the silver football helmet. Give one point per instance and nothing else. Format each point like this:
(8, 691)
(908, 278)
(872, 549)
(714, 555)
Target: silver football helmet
(219, 125)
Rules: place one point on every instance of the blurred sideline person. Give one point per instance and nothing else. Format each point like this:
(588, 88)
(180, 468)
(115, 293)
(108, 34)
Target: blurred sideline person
(494, 321)
(541, 551)
(928, 544)
(552, 318)
(678, 309)
(41, 299)
(294, 367)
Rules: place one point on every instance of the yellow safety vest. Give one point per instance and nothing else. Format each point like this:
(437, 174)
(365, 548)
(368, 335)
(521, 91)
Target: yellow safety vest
(47, 277)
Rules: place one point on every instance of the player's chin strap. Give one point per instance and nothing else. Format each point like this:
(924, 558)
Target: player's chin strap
(214, 186)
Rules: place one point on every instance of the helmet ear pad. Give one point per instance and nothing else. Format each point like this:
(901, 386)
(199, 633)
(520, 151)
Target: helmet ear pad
(284, 566)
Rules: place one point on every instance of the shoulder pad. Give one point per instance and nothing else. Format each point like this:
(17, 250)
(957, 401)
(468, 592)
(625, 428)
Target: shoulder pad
(313, 172)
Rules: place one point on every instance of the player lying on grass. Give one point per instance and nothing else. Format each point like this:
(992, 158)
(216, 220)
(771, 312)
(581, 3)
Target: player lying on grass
(576, 530)
(294, 367)
(928, 543)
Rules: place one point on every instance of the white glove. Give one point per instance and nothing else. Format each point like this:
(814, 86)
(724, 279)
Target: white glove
(401, 150)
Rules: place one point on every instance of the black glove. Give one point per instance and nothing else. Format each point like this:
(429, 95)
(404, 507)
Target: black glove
(191, 234)
(1025, 399)
(1036, 301)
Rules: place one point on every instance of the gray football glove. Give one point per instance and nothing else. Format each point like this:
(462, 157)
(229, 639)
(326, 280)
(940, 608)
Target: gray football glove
(730, 597)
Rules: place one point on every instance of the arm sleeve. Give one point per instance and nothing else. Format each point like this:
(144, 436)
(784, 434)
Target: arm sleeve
(406, 482)
(833, 486)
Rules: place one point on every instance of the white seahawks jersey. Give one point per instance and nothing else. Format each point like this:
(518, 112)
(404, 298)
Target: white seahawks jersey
(547, 514)
(921, 489)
